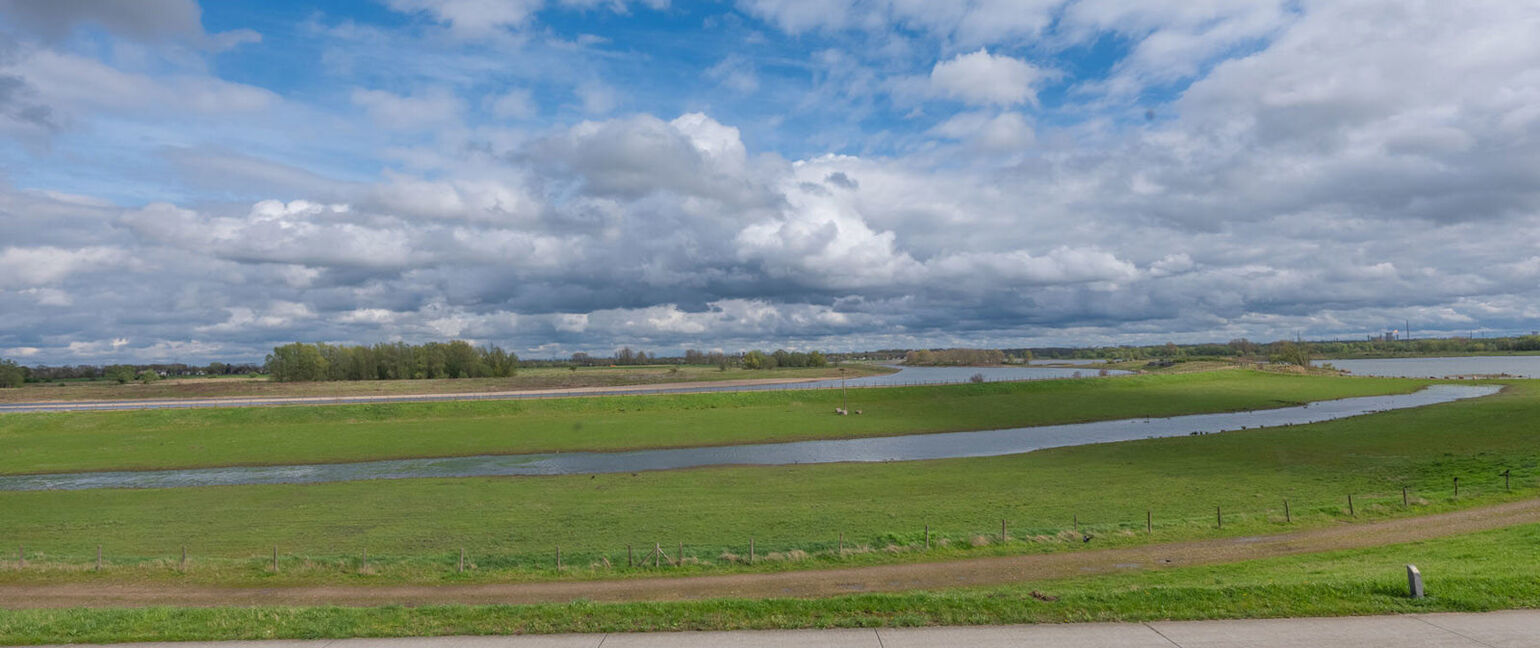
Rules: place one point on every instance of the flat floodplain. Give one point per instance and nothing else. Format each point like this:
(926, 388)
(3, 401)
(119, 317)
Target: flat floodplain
(413, 529)
(146, 440)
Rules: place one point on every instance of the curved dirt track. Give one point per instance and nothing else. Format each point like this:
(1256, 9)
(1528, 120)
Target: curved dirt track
(810, 583)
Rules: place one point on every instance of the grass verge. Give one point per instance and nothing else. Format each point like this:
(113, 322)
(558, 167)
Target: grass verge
(1485, 571)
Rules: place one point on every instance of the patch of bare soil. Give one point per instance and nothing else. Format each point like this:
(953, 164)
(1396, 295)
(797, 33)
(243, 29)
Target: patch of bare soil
(802, 584)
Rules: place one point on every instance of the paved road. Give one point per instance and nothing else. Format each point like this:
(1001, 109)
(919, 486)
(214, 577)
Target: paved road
(1513, 629)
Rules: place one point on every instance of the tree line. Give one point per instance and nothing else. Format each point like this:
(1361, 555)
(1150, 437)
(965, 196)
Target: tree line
(302, 362)
(757, 359)
(954, 357)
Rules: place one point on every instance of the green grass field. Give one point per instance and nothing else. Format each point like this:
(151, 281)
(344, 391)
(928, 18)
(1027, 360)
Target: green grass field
(1491, 570)
(75, 441)
(413, 528)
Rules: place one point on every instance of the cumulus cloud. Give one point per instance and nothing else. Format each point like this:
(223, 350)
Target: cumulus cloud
(981, 78)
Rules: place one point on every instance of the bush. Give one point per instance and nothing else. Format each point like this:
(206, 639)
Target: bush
(11, 374)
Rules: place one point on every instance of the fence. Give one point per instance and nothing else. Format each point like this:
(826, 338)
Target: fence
(1010, 536)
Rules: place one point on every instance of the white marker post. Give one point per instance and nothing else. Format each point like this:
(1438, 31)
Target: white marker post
(1414, 581)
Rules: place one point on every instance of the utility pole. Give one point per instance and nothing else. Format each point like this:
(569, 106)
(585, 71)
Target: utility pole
(844, 400)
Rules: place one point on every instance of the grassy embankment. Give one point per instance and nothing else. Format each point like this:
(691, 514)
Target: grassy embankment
(150, 439)
(412, 529)
(1484, 571)
(526, 379)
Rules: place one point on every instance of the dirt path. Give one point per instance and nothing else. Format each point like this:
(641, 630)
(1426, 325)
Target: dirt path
(811, 583)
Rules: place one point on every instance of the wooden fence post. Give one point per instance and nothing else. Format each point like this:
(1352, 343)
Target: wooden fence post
(842, 543)
(1456, 486)
(184, 557)
(630, 560)
(461, 566)
(1003, 536)
(751, 551)
(275, 559)
(1507, 485)
(1149, 521)
(927, 537)
(1219, 517)
(558, 557)
(1351, 511)
(1404, 501)
(1287, 518)
(679, 556)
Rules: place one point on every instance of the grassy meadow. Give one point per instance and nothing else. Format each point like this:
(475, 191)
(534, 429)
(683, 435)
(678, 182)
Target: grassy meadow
(413, 529)
(150, 439)
(1498, 569)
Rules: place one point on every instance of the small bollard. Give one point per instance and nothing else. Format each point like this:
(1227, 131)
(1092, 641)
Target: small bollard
(1414, 581)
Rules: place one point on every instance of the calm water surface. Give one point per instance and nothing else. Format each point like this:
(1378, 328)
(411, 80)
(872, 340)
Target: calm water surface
(899, 448)
(1520, 366)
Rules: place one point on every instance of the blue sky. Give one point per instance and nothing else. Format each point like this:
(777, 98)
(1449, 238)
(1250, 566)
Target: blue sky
(199, 181)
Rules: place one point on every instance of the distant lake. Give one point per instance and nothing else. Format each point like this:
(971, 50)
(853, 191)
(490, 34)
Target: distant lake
(1521, 366)
(940, 375)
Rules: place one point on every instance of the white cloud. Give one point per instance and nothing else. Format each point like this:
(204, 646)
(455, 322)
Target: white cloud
(981, 78)
(596, 97)
(70, 80)
(22, 267)
(1007, 131)
(517, 103)
(473, 18)
(435, 107)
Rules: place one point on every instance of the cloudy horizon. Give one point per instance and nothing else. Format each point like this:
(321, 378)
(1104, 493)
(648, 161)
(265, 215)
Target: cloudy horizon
(192, 183)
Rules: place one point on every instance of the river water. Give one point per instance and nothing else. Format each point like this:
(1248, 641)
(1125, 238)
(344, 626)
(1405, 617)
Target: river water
(1519, 366)
(897, 448)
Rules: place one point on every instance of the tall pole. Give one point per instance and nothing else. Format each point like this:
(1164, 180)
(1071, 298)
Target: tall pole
(844, 401)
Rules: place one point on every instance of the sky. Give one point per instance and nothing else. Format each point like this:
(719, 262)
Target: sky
(185, 182)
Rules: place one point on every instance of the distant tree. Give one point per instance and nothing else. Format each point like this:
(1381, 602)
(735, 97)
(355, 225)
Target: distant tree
(11, 374)
(297, 362)
(756, 359)
(581, 358)
(122, 374)
(148, 376)
(1291, 353)
(500, 363)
